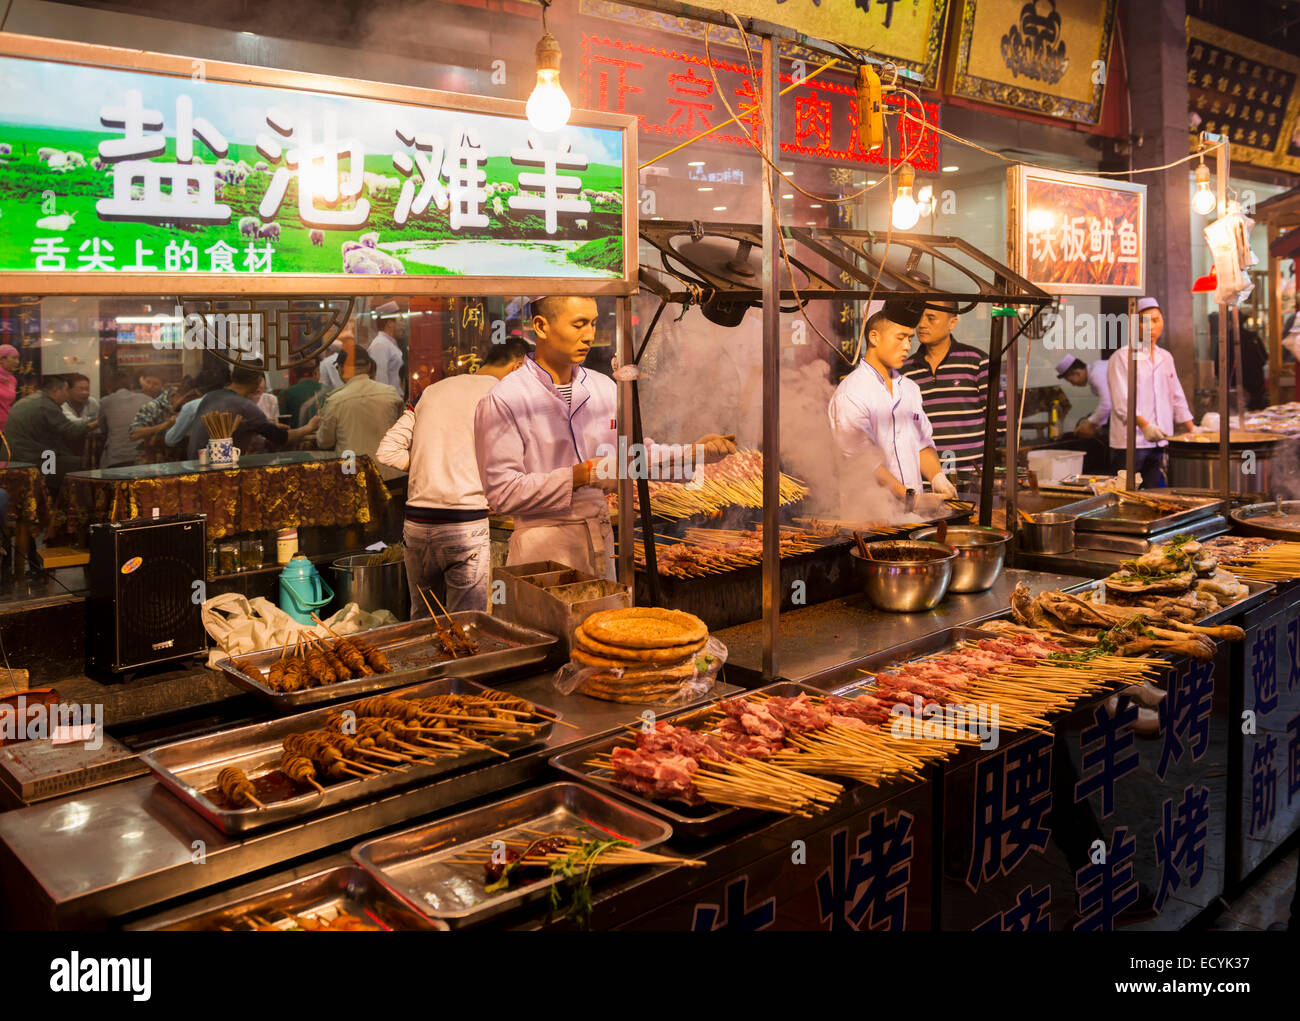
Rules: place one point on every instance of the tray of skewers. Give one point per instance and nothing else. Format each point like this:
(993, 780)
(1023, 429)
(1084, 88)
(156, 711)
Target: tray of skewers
(341, 899)
(321, 669)
(280, 770)
(545, 845)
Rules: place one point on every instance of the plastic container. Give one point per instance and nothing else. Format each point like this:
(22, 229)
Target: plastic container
(1054, 465)
(286, 545)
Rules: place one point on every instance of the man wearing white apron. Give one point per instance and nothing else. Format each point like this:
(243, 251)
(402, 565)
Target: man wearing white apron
(546, 439)
(876, 410)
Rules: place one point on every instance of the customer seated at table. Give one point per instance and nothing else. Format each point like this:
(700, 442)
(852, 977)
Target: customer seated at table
(80, 406)
(305, 387)
(40, 433)
(210, 378)
(236, 397)
(357, 415)
(156, 416)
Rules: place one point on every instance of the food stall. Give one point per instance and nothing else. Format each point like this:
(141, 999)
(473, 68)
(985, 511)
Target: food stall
(262, 811)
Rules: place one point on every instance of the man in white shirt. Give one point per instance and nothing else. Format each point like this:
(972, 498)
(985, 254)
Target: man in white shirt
(385, 349)
(546, 440)
(876, 412)
(1075, 372)
(1161, 404)
(446, 527)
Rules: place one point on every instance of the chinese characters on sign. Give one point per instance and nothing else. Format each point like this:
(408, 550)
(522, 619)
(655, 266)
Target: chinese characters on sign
(1079, 235)
(1242, 97)
(675, 88)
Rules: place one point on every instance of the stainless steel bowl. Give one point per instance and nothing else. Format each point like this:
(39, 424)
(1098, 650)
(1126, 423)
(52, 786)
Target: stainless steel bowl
(914, 578)
(981, 554)
(1049, 532)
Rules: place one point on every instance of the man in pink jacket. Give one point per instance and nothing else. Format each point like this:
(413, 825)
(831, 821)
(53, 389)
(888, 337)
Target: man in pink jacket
(546, 439)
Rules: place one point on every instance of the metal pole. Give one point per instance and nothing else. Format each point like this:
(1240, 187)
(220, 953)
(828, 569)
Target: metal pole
(1239, 376)
(991, 426)
(1221, 186)
(1130, 439)
(771, 364)
(1012, 361)
(626, 566)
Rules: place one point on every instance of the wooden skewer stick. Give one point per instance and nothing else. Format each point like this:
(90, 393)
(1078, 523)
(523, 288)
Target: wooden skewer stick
(437, 625)
(453, 626)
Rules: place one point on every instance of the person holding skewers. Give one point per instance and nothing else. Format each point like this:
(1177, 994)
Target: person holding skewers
(877, 411)
(546, 441)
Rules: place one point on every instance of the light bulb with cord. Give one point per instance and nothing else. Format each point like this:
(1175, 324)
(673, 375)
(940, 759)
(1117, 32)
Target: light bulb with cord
(1203, 201)
(906, 212)
(548, 108)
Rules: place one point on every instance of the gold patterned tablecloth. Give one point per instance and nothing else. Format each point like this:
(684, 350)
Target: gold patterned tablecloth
(252, 499)
(28, 503)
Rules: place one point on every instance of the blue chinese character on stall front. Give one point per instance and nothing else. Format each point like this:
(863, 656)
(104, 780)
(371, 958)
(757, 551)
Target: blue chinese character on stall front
(1185, 712)
(735, 917)
(1263, 784)
(1029, 914)
(1293, 650)
(1107, 888)
(1263, 669)
(1180, 841)
(1293, 759)
(873, 885)
(1113, 736)
(1013, 794)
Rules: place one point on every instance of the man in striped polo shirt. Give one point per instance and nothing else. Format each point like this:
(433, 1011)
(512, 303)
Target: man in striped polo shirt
(954, 382)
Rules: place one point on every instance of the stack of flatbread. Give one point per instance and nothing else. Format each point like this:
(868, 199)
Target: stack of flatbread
(640, 654)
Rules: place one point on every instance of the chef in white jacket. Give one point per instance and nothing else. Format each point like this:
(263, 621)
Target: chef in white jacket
(876, 411)
(1161, 404)
(384, 350)
(1076, 372)
(546, 440)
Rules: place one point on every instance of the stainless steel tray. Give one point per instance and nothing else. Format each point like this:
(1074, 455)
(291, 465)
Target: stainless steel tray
(1105, 513)
(415, 654)
(415, 865)
(689, 821)
(851, 677)
(189, 768)
(341, 889)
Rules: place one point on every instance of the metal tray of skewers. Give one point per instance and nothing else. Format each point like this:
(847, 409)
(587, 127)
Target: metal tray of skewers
(345, 898)
(443, 868)
(417, 650)
(701, 821)
(193, 769)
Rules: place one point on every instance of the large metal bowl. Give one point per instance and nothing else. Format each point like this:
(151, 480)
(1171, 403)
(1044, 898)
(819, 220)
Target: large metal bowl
(914, 577)
(981, 554)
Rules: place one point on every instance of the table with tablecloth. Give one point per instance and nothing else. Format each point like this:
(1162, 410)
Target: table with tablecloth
(29, 507)
(266, 491)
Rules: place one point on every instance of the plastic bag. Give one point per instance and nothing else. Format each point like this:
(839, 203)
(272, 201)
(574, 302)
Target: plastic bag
(708, 661)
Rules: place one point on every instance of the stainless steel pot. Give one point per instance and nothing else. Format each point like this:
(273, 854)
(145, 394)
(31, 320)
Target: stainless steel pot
(381, 587)
(915, 577)
(1194, 461)
(981, 554)
(1049, 532)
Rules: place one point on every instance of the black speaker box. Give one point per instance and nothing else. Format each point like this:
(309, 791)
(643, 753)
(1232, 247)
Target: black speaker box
(142, 607)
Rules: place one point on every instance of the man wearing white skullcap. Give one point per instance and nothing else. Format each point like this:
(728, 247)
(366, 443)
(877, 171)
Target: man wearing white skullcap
(384, 350)
(1161, 404)
(1077, 373)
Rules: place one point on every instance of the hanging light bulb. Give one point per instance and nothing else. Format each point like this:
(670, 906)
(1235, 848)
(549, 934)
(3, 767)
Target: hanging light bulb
(906, 211)
(1203, 201)
(548, 107)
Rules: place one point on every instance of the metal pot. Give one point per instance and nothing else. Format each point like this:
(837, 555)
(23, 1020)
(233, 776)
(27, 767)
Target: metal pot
(379, 587)
(1050, 532)
(908, 585)
(1194, 461)
(981, 554)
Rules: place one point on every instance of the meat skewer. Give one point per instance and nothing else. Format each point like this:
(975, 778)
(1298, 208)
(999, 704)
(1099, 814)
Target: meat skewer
(444, 638)
(470, 645)
(299, 768)
(236, 787)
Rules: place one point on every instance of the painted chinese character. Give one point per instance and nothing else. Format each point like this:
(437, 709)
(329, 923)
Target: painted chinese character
(1128, 242)
(49, 254)
(1073, 237)
(426, 159)
(1263, 669)
(181, 258)
(1013, 794)
(1031, 913)
(688, 85)
(1185, 712)
(1041, 245)
(221, 258)
(99, 255)
(1106, 889)
(138, 181)
(1103, 746)
(871, 886)
(258, 259)
(465, 179)
(140, 266)
(1180, 841)
(1263, 784)
(1293, 759)
(550, 201)
(737, 915)
(1100, 233)
(316, 165)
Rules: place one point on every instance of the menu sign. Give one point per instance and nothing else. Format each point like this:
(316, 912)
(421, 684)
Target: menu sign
(1073, 234)
(208, 180)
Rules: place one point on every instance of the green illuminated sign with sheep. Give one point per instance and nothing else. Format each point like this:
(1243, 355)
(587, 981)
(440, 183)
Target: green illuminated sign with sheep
(104, 170)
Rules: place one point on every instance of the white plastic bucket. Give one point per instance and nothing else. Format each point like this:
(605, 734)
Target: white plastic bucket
(1054, 465)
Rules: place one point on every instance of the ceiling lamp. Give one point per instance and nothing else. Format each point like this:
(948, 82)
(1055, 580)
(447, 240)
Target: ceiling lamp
(1203, 201)
(548, 107)
(906, 211)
